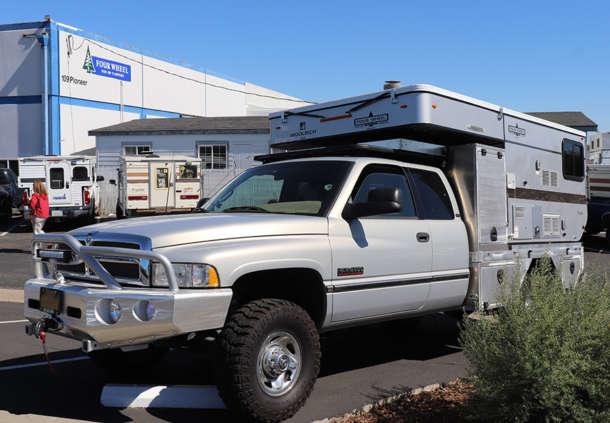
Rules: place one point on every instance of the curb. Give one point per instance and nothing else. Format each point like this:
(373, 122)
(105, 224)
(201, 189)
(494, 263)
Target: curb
(368, 407)
(11, 295)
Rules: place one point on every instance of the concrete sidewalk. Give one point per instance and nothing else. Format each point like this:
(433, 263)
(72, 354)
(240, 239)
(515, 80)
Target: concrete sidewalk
(11, 295)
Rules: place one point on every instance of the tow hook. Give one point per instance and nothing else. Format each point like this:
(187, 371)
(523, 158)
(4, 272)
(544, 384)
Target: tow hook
(47, 324)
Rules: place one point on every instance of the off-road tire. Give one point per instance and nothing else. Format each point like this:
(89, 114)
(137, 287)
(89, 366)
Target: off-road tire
(238, 348)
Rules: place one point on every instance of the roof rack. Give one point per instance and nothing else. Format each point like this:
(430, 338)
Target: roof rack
(356, 150)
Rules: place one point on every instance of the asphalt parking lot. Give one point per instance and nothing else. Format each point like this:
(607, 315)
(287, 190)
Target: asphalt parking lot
(359, 365)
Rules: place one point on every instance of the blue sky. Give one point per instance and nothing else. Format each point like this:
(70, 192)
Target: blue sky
(525, 55)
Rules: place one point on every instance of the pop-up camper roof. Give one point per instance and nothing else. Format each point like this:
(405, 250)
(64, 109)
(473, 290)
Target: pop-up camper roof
(418, 112)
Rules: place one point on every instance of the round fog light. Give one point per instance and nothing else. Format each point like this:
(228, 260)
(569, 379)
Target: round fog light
(145, 311)
(114, 311)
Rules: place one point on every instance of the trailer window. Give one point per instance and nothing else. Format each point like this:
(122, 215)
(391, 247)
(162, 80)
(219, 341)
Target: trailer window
(80, 173)
(162, 178)
(213, 156)
(374, 177)
(573, 160)
(432, 195)
(188, 171)
(57, 177)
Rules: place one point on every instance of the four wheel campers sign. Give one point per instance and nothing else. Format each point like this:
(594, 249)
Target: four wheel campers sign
(104, 67)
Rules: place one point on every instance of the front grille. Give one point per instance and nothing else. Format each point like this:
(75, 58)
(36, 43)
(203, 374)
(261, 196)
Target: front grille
(125, 271)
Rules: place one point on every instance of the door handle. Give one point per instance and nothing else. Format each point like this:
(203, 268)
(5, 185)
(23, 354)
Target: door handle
(423, 237)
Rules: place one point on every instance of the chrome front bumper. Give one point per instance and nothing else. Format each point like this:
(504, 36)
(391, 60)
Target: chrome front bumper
(82, 315)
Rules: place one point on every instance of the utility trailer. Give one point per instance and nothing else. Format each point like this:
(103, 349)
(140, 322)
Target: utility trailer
(153, 184)
(70, 181)
(519, 180)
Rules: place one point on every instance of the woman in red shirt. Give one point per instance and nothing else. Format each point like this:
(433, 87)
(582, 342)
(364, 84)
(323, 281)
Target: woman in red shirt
(39, 203)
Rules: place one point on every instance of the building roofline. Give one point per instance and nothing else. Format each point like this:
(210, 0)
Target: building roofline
(180, 132)
(24, 25)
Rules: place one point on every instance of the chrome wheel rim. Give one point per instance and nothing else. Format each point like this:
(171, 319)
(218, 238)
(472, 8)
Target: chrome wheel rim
(279, 363)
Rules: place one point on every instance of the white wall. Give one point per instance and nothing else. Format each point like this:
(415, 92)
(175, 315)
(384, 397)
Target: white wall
(78, 120)
(241, 151)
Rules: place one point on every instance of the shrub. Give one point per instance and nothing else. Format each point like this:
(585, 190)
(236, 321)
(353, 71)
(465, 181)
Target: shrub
(546, 359)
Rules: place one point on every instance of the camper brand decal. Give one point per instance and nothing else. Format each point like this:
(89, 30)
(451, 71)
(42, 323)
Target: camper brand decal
(61, 197)
(304, 133)
(350, 271)
(520, 132)
(105, 67)
(371, 120)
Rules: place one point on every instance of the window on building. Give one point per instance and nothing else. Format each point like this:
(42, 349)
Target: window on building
(213, 156)
(573, 160)
(136, 150)
(3, 163)
(79, 173)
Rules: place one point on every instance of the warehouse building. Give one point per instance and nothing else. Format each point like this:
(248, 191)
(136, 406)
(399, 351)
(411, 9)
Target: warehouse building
(57, 82)
(226, 145)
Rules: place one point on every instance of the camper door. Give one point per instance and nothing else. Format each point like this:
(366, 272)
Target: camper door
(162, 191)
(58, 175)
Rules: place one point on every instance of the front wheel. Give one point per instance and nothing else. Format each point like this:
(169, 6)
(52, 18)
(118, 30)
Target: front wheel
(269, 353)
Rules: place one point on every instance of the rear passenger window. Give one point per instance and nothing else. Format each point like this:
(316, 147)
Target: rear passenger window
(432, 196)
(385, 177)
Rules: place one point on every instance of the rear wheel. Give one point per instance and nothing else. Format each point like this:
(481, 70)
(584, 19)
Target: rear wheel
(269, 353)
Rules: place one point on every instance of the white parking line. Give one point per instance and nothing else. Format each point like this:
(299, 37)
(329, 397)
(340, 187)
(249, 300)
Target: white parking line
(12, 321)
(43, 363)
(146, 396)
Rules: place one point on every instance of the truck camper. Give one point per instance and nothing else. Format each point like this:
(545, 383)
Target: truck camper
(326, 233)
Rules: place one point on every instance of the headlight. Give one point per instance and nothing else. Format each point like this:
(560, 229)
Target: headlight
(188, 275)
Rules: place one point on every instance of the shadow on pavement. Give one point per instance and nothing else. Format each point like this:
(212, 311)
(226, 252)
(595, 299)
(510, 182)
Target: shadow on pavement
(75, 391)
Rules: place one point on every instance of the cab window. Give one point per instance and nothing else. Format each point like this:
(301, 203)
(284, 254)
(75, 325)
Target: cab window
(432, 195)
(374, 177)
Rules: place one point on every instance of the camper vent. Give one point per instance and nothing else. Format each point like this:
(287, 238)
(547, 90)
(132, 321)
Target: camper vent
(519, 212)
(549, 178)
(552, 225)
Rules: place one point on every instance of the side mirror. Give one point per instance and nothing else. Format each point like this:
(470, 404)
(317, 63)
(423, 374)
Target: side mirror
(99, 178)
(201, 202)
(380, 201)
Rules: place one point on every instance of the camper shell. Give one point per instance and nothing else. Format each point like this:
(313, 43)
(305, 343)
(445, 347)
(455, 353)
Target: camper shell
(150, 184)
(519, 180)
(598, 178)
(70, 181)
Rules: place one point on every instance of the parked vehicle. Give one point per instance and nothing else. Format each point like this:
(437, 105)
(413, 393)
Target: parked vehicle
(324, 235)
(70, 182)
(598, 176)
(158, 184)
(9, 194)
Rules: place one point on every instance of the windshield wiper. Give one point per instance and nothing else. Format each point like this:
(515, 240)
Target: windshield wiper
(246, 209)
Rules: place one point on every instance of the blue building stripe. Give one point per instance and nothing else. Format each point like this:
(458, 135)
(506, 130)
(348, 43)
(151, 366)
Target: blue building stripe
(21, 99)
(23, 25)
(54, 114)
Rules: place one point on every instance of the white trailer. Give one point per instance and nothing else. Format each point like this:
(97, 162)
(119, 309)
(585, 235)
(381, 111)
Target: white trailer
(70, 182)
(598, 178)
(158, 184)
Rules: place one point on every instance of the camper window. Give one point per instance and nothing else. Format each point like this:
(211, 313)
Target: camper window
(57, 177)
(136, 150)
(188, 171)
(80, 173)
(213, 156)
(573, 160)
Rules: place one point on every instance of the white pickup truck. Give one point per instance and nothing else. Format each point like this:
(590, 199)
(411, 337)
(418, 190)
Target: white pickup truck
(322, 238)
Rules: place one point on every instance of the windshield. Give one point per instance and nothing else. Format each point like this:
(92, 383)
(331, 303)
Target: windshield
(293, 188)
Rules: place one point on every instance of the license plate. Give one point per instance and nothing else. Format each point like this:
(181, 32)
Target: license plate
(57, 213)
(51, 300)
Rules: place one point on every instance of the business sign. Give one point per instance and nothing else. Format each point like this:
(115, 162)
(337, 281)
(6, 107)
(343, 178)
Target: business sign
(104, 67)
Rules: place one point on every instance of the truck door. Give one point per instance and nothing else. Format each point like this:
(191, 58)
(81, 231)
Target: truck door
(58, 175)
(381, 264)
(162, 193)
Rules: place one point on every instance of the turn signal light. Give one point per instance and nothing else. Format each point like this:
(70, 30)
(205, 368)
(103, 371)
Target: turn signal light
(189, 197)
(25, 198)
(87, 197)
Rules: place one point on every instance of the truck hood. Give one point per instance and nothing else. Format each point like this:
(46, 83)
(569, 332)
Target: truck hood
(164, 231)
